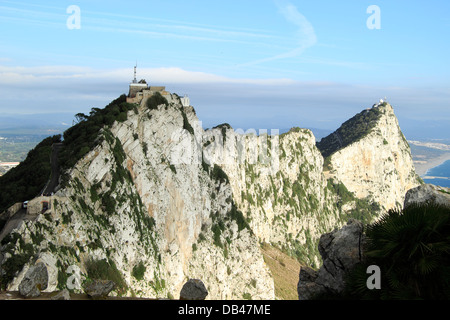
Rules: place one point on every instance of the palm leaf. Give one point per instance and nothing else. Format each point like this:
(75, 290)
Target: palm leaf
(412, 247)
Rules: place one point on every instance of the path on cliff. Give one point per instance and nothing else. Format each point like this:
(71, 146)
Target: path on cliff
(13, 223)
(54, 179)
(15, 220)
(339, 139)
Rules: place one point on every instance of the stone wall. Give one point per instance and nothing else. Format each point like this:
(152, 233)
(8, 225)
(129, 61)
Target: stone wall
(157, 88)
(11, 210)
(37, 205)
(140, 95)
(135, 88)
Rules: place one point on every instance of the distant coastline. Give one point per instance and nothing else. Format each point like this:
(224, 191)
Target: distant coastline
(422, 168)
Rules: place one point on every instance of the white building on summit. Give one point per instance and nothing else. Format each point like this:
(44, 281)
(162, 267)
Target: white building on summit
(185, 101)
(142, 91)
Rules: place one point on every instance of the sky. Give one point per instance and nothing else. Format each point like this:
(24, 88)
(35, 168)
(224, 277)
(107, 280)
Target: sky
(261, 64)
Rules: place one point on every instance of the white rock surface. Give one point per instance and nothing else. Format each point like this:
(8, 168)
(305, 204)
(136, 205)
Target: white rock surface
(153, 214)
(379, 165)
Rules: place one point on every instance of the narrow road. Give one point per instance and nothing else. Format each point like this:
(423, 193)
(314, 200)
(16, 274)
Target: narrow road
(13, 223)
(338, 137)
(53, 182)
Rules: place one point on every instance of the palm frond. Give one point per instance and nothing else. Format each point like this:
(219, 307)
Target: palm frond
(412, 248)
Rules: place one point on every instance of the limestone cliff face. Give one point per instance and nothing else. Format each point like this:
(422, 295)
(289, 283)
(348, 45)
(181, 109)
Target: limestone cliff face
(376, 162)
(142, 199)
(278, 183)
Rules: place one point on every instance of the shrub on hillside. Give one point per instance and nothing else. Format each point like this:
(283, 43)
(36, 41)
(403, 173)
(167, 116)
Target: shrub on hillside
(105, 270)
(350, 131)
(156, 100)
(83, 136)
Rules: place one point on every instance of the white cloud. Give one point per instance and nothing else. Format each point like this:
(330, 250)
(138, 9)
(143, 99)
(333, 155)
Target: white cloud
(29, 75)
(242, 102)
(25, 75)
(305, 36)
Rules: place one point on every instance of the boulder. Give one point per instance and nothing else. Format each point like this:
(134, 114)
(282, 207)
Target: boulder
(50, 262)
(62, 295)
(99, 288)
(341, 250)
(194, 289)
(34, 281)
(307, 284)
(427, 193)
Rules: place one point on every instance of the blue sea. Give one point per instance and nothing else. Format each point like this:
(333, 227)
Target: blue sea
(443, 171)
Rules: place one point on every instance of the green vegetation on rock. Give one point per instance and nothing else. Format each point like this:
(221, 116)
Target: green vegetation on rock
(25, 181)
(20, 252)
(139, 271)
(350, 131)
(156, 100)
(186, 125)
(105, 270)
(84, 136)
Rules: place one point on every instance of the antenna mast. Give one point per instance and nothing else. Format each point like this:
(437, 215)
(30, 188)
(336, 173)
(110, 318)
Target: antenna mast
(134, 80)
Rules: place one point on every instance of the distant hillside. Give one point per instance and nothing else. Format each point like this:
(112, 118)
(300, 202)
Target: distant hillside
(35, 124)
(14, 148)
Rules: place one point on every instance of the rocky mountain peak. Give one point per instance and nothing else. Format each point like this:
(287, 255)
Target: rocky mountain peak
(354, 129)
(141, 206)
(371, 156)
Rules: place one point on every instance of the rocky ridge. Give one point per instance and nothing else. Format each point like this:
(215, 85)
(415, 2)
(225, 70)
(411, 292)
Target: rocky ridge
(161, 201)
(377, 163)
(127, 204)
(277, 181)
